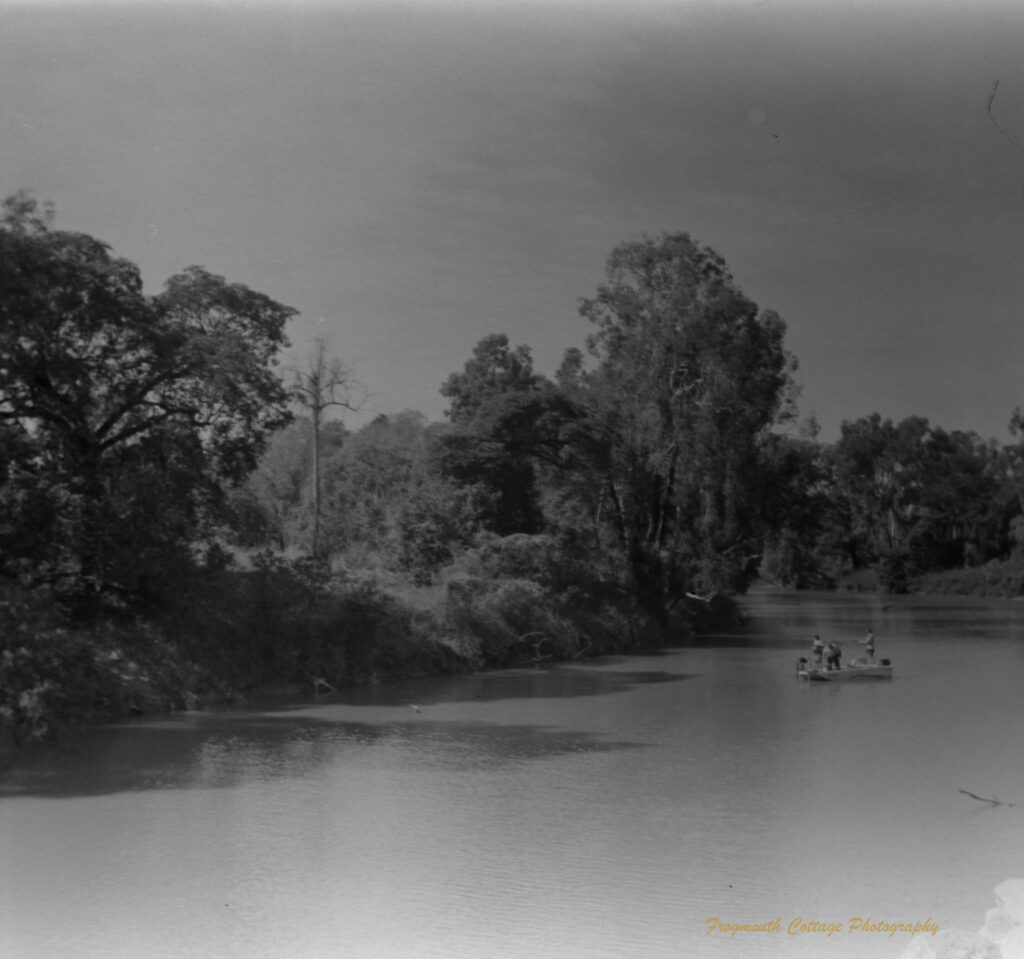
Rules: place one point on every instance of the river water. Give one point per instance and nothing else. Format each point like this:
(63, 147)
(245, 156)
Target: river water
(603, 809)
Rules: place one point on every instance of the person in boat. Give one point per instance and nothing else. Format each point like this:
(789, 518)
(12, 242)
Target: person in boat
(818, 648)
(802, 666)
(869, 643)
(832, 656)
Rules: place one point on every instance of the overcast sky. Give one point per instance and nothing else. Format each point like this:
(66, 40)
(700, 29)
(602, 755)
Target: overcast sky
(413, 177)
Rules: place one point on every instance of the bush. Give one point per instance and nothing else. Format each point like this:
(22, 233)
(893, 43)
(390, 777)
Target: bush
(509, 620)
(437, 521)
(287, 621)
(54, 675)
(996, 579)
(527, 597)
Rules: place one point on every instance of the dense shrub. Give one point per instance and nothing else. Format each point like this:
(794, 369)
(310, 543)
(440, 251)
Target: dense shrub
(287, 621)
(509, 620)
(222, 631)
(993, 579)
(535, 597)
(55, 674)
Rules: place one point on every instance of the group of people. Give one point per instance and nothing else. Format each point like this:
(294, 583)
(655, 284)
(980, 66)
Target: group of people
(829, 657)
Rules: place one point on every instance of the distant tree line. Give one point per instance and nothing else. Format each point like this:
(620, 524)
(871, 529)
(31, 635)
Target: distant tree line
(902, 499)
(669, 449)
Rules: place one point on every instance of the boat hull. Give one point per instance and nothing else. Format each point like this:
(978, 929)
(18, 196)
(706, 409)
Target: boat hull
(873, 671)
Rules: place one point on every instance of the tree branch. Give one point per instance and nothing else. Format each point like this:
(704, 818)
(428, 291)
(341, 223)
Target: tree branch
(993, 801)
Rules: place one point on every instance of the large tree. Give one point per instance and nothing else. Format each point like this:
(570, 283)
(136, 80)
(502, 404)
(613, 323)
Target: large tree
(689, 377)
(125, 416)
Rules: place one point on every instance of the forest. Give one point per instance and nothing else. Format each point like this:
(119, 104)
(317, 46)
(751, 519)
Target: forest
(184, 521)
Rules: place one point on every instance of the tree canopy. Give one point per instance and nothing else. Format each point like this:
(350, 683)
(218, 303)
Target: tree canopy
(126, 415)
(652, 440)
(689, 377)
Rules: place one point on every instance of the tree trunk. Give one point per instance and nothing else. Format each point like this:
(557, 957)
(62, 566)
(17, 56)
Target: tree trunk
(314, 549)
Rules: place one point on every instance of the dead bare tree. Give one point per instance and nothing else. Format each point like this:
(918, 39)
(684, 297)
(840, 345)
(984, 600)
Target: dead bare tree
(325, 382)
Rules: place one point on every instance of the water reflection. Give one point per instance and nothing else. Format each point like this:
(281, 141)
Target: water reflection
(225, 750)
(555, 682)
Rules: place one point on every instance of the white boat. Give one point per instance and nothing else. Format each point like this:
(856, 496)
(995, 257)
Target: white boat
(858, 669)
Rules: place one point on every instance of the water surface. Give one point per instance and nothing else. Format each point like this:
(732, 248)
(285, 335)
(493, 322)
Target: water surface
(603, 809)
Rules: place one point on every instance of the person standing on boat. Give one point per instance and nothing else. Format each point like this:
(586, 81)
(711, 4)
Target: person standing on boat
(818, 648)
(869, 642)
(832, 655)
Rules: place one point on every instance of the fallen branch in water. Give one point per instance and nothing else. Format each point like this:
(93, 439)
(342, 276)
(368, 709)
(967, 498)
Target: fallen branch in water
(993, 801)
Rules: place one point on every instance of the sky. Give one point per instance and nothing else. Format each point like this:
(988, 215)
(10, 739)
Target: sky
(414, 176)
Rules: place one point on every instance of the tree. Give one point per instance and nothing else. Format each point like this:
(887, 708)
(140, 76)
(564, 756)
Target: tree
(325, 383)
(796, 509)
(270, 508)
(1008, 468)
(481, 451)
(689, 377)
(130, 415)
(494, 369)
(916, 496)
(369, 480)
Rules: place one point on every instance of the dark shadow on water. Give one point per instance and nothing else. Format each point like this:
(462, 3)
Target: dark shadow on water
(235, 748)
(545, 683)
(751, 637)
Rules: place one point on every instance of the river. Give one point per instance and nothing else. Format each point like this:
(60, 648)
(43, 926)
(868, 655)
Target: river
(601, 809)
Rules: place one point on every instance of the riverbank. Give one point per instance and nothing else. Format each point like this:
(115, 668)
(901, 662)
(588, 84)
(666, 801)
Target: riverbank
(230, 634)
(999, 579)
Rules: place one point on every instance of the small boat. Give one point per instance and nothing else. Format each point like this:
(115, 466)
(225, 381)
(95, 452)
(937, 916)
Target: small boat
(858, 669)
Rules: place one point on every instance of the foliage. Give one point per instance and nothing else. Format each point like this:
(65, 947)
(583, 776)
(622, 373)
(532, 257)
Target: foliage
(285, 621)
(55, 675)
(491, 403)
(368, 477)
(915, 497)
(796, 510)
(368, 482)
(689, 378)
(530, 598)
(494, 369)
(437, 521)
(126, 416)
(996, 578)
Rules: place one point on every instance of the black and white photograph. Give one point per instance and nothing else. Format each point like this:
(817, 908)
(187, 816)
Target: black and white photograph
(511, 479)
